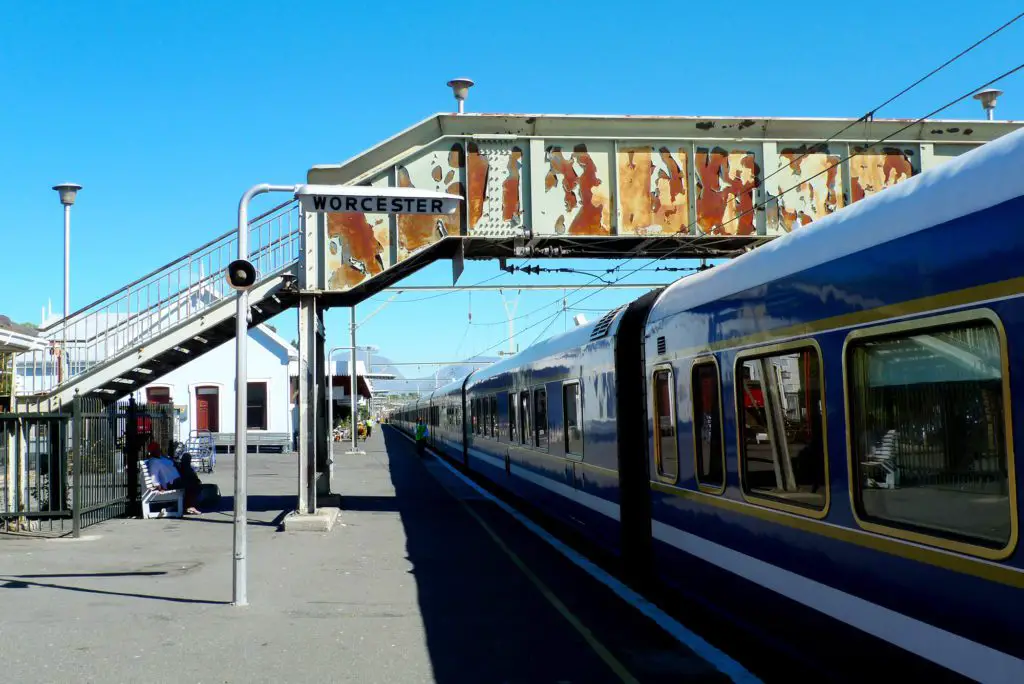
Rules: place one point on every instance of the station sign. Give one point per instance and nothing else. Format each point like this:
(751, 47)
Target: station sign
(370, 200)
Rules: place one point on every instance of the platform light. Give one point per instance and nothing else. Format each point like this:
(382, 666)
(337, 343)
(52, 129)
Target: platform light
(988, 98)
(460, 89)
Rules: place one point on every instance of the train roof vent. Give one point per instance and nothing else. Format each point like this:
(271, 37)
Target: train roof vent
(601, 329)
(661, 344)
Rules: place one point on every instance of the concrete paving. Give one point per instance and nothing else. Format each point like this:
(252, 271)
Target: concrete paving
(421, 580)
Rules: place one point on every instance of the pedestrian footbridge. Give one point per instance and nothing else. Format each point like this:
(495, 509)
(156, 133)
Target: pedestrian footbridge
(538, 186)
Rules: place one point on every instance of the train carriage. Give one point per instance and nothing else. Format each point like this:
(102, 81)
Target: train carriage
(818, 434)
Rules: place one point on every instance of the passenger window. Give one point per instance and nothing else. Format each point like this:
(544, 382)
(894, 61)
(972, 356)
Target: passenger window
(524, 416)
(666, 448)
(540, 418)
(494, 416)
(782, 444)
(573, 414)
(485, 417)
(927, 430)
(707, 426)
(513, 417)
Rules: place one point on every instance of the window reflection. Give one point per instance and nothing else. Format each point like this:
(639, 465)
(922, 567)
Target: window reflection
(783, 430)
(927, 429)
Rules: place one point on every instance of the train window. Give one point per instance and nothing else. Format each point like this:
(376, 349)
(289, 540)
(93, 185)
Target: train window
(782, 429)
(572, 411)
(929, 432)
(494, 416)
(709, 448)
(540, 418)
(524, 417)
(512, 417)
(666, 447)
(485, 417)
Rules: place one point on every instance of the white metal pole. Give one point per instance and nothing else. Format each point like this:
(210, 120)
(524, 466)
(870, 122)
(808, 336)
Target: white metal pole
(354, 378)
(329, 374)
(239, 589)
(67, 288)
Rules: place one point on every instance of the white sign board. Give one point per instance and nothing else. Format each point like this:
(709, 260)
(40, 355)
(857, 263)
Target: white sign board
(368, 200)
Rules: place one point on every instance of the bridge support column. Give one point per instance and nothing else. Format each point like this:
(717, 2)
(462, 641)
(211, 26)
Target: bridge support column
(312, 446)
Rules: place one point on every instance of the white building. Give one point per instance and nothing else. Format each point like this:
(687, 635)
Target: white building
(203, 390)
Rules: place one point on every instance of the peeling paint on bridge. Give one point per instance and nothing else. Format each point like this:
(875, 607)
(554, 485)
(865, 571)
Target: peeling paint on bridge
(581, 186)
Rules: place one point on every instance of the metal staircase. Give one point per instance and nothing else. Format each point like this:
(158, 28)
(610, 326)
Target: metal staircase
(162, 320)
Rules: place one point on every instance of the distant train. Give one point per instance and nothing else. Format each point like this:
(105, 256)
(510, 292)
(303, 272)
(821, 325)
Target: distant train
(817, 438)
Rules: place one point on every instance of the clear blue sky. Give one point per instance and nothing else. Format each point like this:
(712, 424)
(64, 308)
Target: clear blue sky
(167, 112)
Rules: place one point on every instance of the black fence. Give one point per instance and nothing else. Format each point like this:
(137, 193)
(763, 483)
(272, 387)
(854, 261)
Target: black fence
(61, 472)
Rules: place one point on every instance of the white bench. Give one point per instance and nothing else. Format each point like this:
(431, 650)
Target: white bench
(152, 494)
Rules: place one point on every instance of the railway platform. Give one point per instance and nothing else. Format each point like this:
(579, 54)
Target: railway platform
(423, 579)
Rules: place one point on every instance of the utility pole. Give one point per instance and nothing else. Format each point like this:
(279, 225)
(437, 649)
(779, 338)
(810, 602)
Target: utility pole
(510, 315)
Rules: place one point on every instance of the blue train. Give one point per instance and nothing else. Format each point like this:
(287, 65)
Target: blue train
(816, 438)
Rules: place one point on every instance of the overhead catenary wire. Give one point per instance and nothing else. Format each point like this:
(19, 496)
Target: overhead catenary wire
(874, 110)
(911, 124)
(827, 169)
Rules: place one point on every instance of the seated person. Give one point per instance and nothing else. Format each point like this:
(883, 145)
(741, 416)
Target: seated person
(167, 476)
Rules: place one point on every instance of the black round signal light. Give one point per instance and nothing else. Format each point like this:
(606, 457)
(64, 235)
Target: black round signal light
(241, 274)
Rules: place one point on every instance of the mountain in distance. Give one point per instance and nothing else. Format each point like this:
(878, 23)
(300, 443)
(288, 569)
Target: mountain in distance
(419, 378)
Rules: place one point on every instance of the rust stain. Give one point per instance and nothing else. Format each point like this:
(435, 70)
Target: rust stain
(820, 195)
(653, 200)
(477, 169)
(725, 190)
(594, 210)
(358, 242)
(510, 187)
(671, 204)
(436, 174)
(635, 171)
(419, 230)
(871, 172)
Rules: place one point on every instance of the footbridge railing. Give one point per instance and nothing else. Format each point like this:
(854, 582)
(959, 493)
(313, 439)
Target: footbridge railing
(155, 304)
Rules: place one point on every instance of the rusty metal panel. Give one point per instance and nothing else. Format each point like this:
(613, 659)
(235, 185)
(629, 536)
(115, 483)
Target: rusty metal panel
(358, 246)
(495, 188)
(576, 195)
(727, 178)
(872, 170)
(654, 188)
(807, 185)
(442, 168)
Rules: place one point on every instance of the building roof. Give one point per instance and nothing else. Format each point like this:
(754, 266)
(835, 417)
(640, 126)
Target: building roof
(18, 338)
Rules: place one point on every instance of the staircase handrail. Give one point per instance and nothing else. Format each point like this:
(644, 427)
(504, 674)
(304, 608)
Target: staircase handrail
(229, 236)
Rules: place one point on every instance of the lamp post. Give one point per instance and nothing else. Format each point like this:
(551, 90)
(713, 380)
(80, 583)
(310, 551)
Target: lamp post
(329, 378)
(67, 192)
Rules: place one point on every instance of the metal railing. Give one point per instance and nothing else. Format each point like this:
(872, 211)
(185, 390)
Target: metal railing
(62, 472)
(156, 303)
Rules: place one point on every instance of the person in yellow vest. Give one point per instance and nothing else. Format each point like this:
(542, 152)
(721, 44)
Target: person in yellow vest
(421, 436)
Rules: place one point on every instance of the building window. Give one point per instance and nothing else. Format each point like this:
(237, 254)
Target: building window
(666, 448)
(158, 395)
(928, 431)
(257, 408)
(709, 450)
(540, 418)
(572, 413)
(782, 443)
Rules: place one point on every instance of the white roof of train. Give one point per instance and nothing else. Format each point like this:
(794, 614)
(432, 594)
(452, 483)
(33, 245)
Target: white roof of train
(984, 177)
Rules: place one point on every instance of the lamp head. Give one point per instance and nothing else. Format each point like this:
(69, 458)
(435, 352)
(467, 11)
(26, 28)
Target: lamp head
(460, 88)
(67, 192)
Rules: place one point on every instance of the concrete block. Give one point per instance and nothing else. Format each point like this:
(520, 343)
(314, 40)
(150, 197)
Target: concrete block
(321, 521)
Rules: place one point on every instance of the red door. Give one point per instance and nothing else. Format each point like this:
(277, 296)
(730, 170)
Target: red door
(207, 409)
